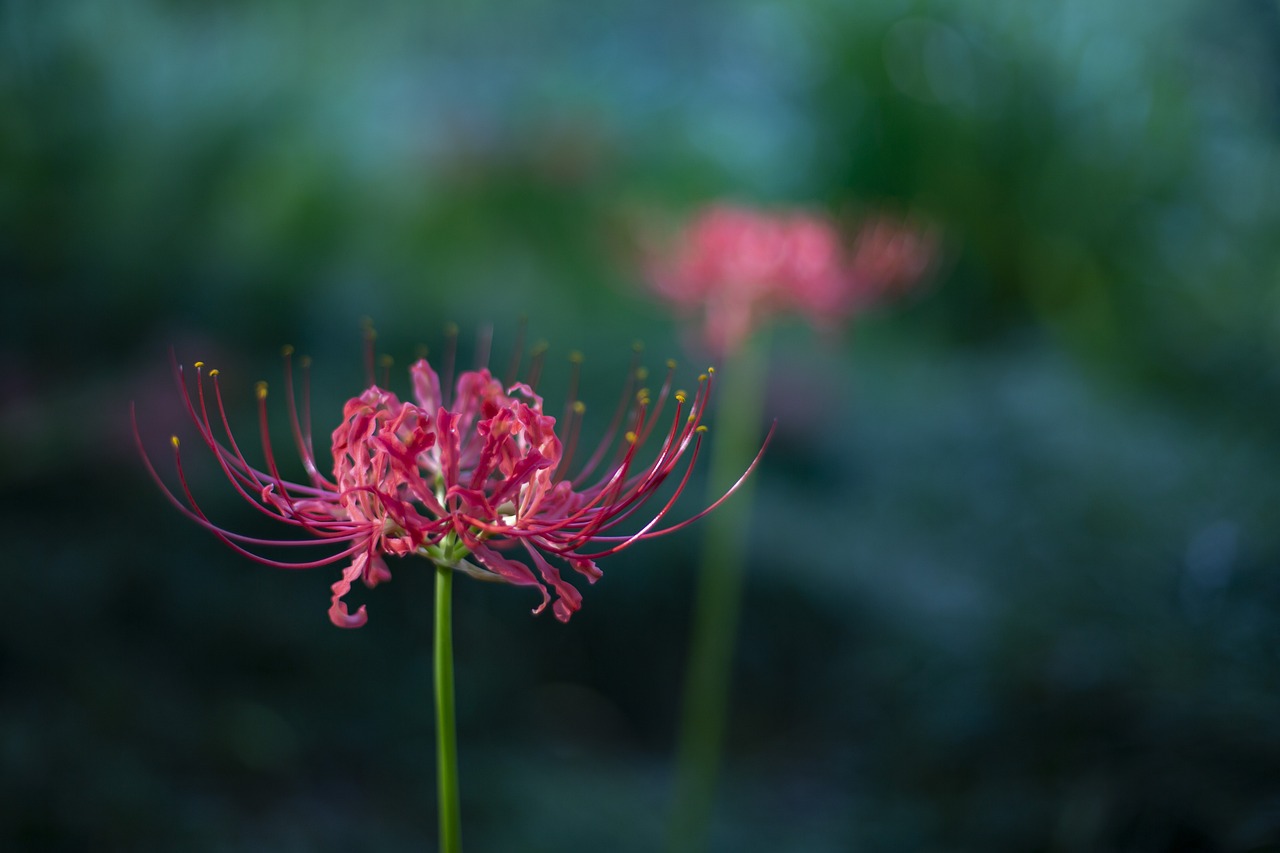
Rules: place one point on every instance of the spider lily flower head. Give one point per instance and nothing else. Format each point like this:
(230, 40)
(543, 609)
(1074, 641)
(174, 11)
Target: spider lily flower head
(469, 474)
(742, 266)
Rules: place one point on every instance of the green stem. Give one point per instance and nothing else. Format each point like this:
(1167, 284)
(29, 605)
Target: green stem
(717, 600)
(446, 726)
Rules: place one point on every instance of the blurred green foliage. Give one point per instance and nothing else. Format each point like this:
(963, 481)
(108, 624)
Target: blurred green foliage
(1015, 583)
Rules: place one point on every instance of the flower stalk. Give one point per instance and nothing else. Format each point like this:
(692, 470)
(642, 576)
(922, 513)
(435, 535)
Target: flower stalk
(717, 604)
(450, 815)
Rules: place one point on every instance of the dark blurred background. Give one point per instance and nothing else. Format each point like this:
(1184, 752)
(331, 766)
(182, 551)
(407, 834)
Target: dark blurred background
(1015, 581)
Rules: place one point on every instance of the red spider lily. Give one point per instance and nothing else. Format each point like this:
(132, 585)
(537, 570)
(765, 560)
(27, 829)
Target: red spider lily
(461, 479)
(741, 266)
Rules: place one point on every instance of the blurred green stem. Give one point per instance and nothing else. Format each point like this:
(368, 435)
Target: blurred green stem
(717, 598)
(446, 728)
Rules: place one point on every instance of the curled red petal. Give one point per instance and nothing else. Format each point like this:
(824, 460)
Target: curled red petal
(376, 571)
(338, 613)
(512, 571)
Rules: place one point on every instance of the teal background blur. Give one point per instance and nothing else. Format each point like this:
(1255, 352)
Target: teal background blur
(1015, 573)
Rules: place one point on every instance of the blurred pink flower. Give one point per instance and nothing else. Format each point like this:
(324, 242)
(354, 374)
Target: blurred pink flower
(742, 266)
(461, 479)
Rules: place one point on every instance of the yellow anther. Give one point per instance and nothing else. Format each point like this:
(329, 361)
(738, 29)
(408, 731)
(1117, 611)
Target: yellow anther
(642, 373)
(261, 389)
(702, 428)
(702, 377)
(305, 361)
(671, 364)
(579, 407)
(286, 350)
(199, 364)
(385, 360)
(681, 396)
(711, 370)
(213, 372)
(691, 419)
(576, 357)
(173, 439)
(539, 348)
(631, 437)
